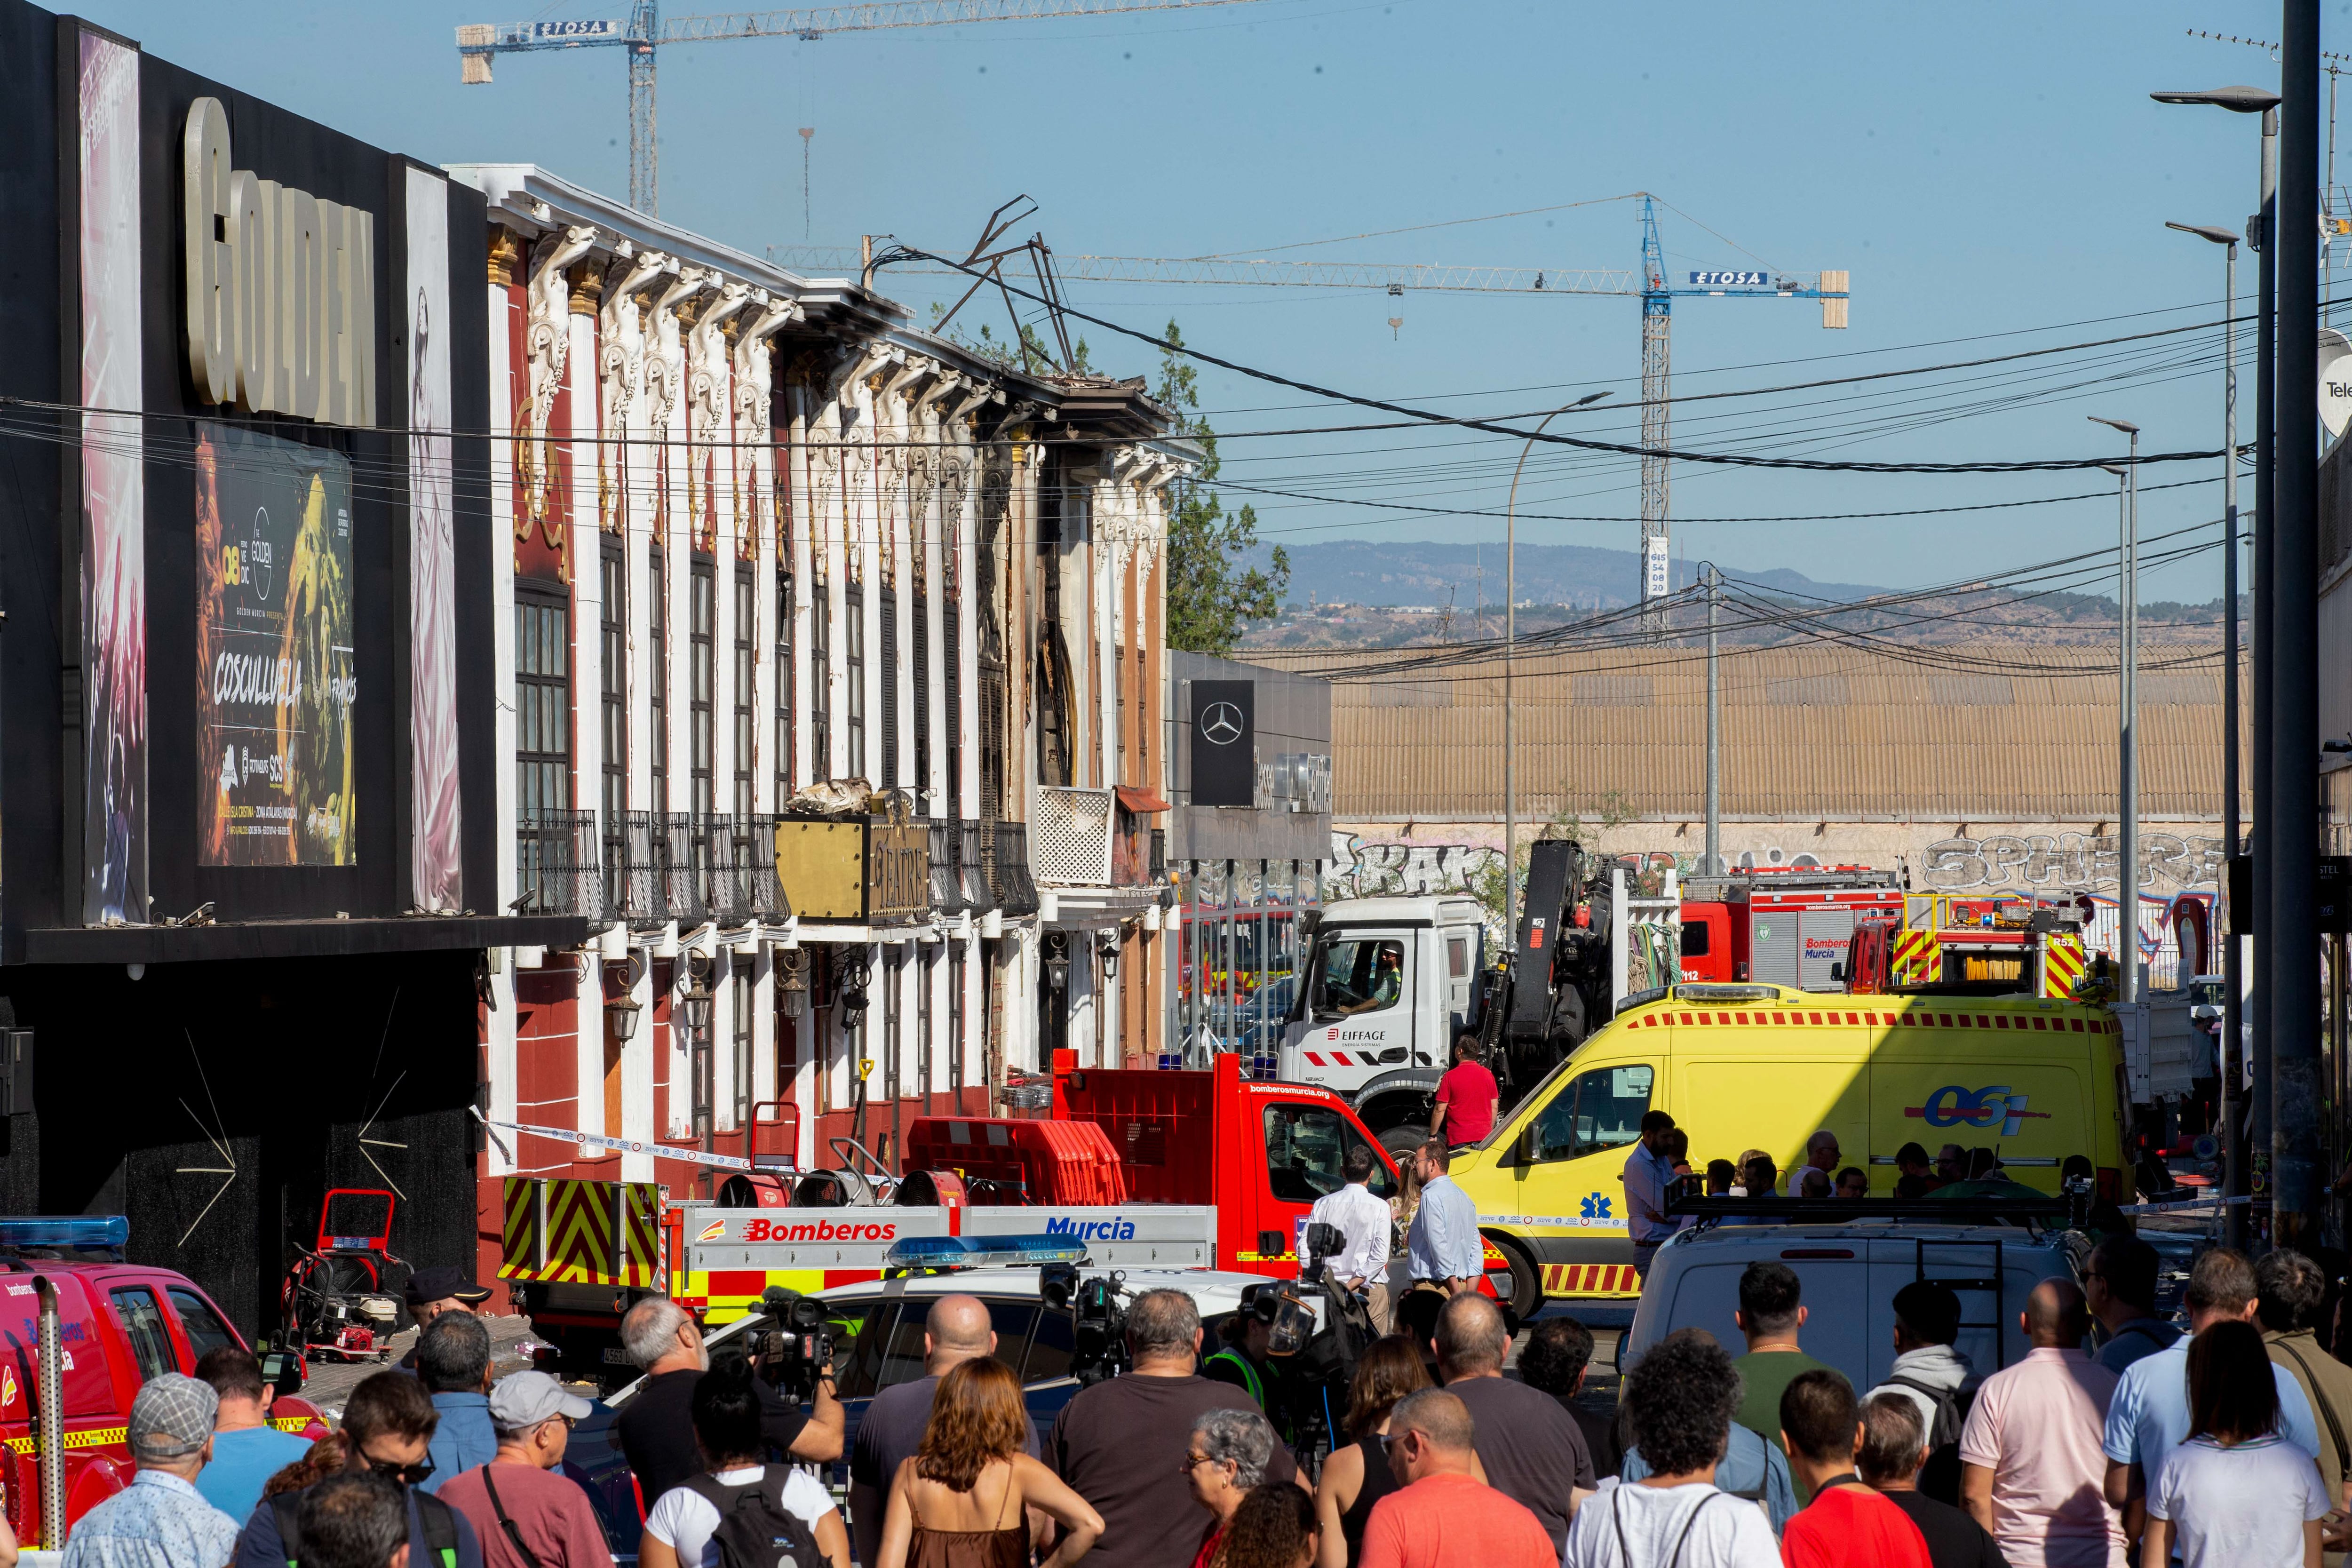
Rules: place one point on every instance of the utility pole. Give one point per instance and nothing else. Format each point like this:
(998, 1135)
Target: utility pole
(2291, 820)
(2127, 989)
(1714, 731)
(2233, 1163)
(2266, 836)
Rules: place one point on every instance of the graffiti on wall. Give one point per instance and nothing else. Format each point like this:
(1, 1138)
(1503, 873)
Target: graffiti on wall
(1402, 869)
(2068, 860)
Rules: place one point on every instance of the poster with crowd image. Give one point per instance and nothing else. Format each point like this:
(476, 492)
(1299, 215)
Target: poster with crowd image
(276, 679)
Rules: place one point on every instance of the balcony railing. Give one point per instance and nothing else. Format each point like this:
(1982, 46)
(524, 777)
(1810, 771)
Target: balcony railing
(556, 863)
(644, 876)
(755, 858)
(726, 878)
(684, 867)
(947, 889)
(1005, 848)
(971, 868)
(1070, 835)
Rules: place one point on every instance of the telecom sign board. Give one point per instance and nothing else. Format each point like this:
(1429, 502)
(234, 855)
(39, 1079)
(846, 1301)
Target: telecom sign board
(1730, 280)
(1225, 743)
(1657, 568)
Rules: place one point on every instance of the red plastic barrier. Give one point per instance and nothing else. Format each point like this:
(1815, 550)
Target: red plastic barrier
(1009, 1160)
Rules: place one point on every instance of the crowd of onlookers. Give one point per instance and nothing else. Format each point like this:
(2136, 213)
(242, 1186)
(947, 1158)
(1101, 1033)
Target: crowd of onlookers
(2116, 1437)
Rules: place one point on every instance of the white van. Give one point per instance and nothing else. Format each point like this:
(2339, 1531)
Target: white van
(1850, 1273)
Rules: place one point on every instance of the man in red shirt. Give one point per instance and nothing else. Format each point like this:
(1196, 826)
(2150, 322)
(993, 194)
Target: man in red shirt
(1443, 1516)
(1466, 1096)
(1847, 1525)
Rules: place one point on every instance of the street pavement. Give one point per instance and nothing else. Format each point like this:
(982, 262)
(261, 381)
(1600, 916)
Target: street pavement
(333, 1381)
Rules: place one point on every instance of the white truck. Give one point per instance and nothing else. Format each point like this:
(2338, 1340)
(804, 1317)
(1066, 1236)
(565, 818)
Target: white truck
(1391, 984)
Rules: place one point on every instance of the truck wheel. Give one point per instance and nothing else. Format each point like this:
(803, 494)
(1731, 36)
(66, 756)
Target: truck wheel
(1403, 1140)
(1522, 1284)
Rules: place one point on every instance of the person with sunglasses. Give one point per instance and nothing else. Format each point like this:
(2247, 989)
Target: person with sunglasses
(526, 1511)
(388, 1422)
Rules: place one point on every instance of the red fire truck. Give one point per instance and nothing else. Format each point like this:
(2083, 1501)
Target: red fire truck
(1790, 927)
(81, 1331)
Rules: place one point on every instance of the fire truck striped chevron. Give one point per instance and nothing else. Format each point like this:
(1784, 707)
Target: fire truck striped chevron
(581, 1232)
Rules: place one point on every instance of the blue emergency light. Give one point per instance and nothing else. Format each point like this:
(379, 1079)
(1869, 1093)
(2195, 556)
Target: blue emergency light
(975, 1251)
(78, 1232)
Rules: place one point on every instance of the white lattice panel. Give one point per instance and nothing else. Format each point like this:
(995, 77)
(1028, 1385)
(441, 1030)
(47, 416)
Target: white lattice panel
(1069, 835)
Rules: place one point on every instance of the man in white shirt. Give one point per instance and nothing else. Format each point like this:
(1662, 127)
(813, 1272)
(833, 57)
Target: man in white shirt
(1361, 1264)
(1821, 1154)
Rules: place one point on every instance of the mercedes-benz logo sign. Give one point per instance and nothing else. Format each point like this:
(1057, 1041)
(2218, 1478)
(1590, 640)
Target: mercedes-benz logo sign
(1222, 725)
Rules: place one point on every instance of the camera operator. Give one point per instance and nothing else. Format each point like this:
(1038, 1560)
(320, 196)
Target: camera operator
(656, 1428)
(955, 1330)
(1244, 1360)
(1361, 1264)
(1123, 1444)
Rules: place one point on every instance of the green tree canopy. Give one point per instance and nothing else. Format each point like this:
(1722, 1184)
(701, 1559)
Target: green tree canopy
(1211, 591)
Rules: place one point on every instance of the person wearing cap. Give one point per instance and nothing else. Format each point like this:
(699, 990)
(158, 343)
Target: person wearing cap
(443, 1288)
(527, 1513)
(161, 1520)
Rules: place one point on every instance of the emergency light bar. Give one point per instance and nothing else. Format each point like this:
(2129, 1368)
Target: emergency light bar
(1706, 992)
(975, 1251)
(85, 1233)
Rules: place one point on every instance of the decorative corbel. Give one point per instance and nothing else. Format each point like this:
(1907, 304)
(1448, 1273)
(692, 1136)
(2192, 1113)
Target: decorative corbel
(547, 346)
(621, 337)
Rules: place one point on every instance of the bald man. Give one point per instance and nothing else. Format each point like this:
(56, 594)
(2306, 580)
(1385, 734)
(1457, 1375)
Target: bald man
(2031, 1467)
(956, 1330)
(1533, 1451)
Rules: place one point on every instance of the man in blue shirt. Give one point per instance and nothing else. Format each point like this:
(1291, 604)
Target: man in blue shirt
(2119, 1285)
(2148, 1417)
(388, 1422)
(1649, 1172)
(453, 1362)
(1443, 1247)
(246, 1450)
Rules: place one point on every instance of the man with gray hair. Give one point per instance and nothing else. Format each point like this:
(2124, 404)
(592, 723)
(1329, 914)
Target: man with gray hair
(453, 1362)
(1122, 1444)
(657, 1428)
(161, 1520)
(2291, 1293)
(354, 1521)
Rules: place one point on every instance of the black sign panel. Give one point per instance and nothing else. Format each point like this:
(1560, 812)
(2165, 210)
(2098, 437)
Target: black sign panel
(2334, 914)
(1225, 743)
(2241, 895)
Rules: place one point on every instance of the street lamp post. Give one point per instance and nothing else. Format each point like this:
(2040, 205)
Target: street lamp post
(2260, 229)
(2232, 1043)
(1510, 642)
(2127, 719)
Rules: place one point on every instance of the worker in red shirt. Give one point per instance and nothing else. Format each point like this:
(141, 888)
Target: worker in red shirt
(1847, 1525)
(1466, 1097)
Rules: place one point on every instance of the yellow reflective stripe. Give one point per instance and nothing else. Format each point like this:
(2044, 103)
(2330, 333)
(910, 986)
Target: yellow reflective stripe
(296, 1423)
(91, 1438)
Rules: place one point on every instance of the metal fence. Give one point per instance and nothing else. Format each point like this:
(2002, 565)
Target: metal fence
(556, 863)
(1005, 847)
(945, 887)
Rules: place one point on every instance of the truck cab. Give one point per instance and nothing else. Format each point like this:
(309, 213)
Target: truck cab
(1388, 986)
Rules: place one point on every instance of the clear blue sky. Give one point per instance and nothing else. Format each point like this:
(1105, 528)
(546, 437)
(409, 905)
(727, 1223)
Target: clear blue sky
(1980, 170)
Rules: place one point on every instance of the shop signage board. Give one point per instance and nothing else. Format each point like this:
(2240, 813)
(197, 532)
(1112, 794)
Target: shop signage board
(1225, 743)
(275, 679)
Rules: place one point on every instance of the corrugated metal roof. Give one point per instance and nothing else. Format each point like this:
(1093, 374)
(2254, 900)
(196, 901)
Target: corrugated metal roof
(1815, 732)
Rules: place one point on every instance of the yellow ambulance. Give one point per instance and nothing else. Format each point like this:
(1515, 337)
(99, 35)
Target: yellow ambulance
(1763, 1067)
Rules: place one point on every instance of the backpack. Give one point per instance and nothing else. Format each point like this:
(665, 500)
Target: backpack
(1940, 1478)
(755, 1528)
(440, 1522)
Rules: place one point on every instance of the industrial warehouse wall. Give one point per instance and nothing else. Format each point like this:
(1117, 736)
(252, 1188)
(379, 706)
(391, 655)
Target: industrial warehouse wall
(215, 1104)
(1810, 735)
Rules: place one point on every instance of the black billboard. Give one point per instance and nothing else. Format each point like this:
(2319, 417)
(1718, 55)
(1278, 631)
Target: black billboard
(1225, 743)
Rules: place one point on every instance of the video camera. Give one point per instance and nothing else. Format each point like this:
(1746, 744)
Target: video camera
(1317, 1358)
(797, 1347)
(1097, 1309)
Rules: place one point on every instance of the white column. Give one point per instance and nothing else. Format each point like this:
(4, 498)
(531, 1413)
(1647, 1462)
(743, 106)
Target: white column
(966, 524)
(500, 1028)
(502, 648)
(1103, 555)
(937, 529)
(677, 562)
(637, 1079)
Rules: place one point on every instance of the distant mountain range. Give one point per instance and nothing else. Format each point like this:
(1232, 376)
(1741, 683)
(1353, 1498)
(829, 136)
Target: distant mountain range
(1430, 574)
